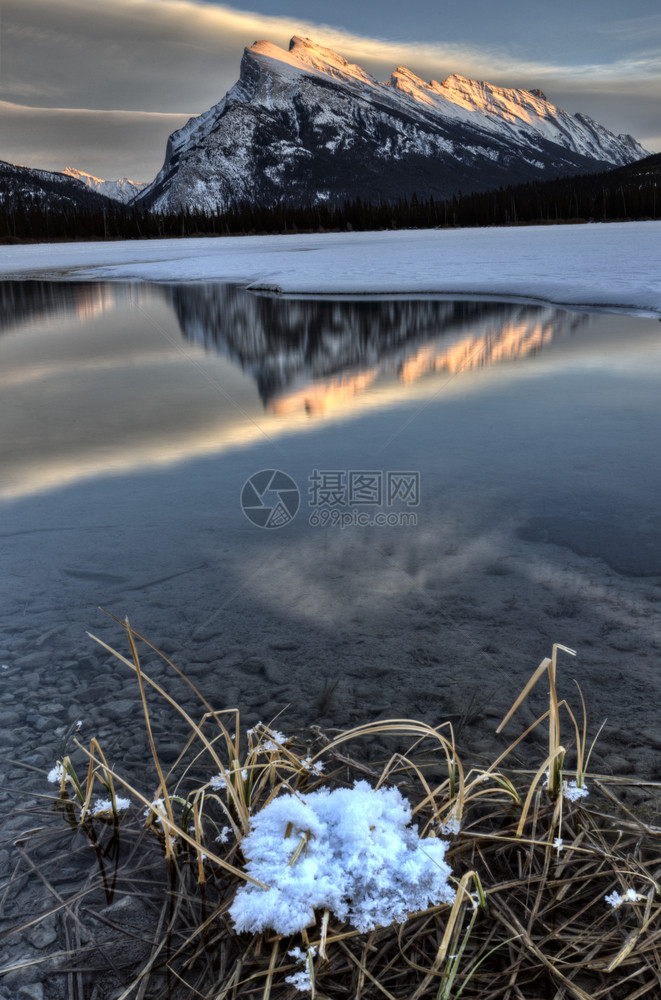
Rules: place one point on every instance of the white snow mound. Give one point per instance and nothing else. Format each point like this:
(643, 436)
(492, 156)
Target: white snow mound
(361, 859)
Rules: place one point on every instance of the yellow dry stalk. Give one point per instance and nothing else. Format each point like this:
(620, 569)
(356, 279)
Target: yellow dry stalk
(324, 935)
(201, 878)
(173, 831)
(541, 771)
(239, 791)
(142, 678)
(448, 953)
(421, 730)
(69, 771)
(107, 781)
(555, 757)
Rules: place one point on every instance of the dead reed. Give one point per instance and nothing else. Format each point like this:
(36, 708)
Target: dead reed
(557, 891)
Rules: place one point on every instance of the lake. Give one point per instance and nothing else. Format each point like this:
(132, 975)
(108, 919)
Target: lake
(334, 509)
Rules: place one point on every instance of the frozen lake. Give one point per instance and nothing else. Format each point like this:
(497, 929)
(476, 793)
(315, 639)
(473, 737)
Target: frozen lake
(511, 449)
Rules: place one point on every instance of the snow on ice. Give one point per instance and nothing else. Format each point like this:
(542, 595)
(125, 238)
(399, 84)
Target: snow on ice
(595, 266)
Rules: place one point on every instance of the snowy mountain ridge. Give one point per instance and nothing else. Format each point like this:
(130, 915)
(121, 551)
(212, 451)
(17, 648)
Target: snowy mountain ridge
(47, 189)
(123, 189)
(305, 125)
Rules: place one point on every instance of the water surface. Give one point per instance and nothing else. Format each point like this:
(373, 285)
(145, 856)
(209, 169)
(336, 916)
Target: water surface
(131, 416)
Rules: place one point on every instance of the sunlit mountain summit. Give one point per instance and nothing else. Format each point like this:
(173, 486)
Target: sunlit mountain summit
(123, 189)
(305, 126)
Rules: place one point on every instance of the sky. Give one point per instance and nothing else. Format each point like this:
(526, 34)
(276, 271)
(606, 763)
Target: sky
(99, 86)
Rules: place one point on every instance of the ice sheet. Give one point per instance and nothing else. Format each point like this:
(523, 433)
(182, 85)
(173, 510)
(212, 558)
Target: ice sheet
(611, 266)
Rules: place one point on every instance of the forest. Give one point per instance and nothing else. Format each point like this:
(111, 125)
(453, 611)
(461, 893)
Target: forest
(627, 193)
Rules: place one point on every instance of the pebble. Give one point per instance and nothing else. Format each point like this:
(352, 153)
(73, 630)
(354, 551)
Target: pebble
(87, 662)
(208, 631)
(617, 764)
(168, 646)
(43, 934)
(31, 661)
(24, 979)
(253, 665)
(52, 708)
(285, 645)
(35, 759)
(31, 991)
(42, 723)
(121, 708)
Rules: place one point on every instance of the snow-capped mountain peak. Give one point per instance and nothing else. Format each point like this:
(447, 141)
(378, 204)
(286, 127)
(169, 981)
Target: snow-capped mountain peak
(303, 124)
(123, 189)
(308, 57)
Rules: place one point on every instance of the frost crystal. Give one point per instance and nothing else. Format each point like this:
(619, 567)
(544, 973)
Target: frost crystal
(309, 765)
(156, 804)
(451, 824)
(614, 899)
(573, 792)
(56, 774)
(105, 805)
(302, 980)
(220, 781)
(358, 858)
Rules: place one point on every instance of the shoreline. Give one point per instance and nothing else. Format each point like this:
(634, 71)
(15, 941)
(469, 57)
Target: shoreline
(612, 266)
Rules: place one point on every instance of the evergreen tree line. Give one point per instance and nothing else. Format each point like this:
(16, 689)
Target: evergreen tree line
(625, 194)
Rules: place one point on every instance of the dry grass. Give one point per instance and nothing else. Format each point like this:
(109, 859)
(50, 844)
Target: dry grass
(532, 867)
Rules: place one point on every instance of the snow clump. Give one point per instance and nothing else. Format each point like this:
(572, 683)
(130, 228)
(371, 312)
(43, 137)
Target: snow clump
(357, 856)
(105, 805)
(572, 791)
(616, 900)
(57, 773)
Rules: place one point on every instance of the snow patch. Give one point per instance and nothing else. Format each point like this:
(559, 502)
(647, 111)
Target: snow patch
(614, 266)
(351, 851)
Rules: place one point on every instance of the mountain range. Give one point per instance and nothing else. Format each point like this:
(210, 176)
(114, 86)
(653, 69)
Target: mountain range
(123, 189)
(47, 189)
(66, 190)
(306, 126)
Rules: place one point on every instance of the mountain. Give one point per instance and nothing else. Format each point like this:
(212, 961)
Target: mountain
(123, 190)
(305, 125)
(46, 189)
(647, 170)
(629, 192)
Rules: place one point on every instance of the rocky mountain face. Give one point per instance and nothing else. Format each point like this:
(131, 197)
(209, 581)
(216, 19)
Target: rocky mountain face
(305, 125)
(123, 189)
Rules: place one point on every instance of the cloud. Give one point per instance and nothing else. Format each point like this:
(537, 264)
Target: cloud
(170, 55)
(176, 57)
(636, 29)
(107, 144)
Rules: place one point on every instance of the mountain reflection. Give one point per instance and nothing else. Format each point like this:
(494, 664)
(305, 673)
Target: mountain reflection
(314, 355)
(24, 301)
